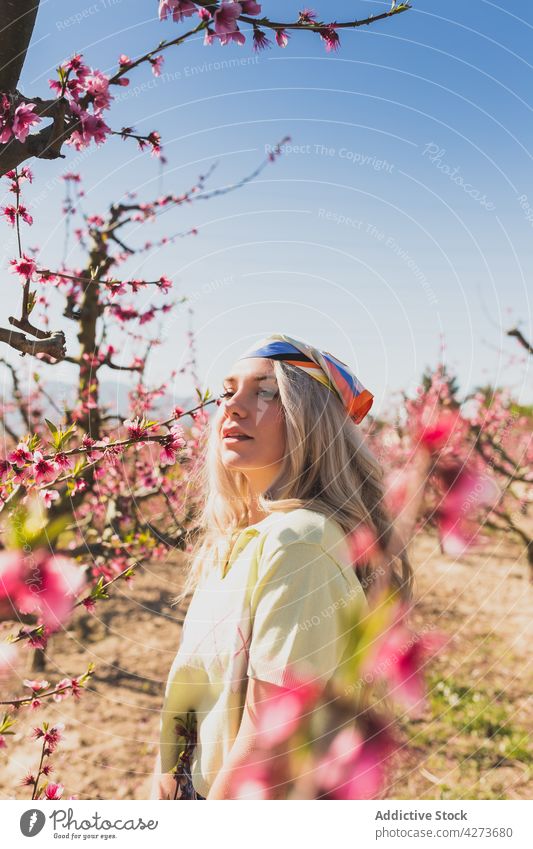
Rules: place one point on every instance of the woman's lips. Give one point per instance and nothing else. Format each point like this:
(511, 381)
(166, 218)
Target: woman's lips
(236, 438)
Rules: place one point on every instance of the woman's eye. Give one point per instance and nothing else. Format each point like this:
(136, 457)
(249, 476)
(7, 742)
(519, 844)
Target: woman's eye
(269, 394)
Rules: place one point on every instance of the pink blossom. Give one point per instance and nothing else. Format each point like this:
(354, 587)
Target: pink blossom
(5, 126)
(63, 460)
(23, 120)
(124, 61)
(20, 455)
(250, 7)
(307, 16)
(236, 36)
(64, 694)
(49, 496)
(53, 736)
(24, 214)
(260, 41)
(399, 659)
(36, 684)
(226, 16)
(174, 442)
(43, 470)
(330, 37)
(363, 544)
(282, 38)
(280, 715)
(89, 604)
(24, 267)
(157, 64)
(165, 283)
(252, 779)
(354, 765)
(465, 490)
(179, 9)
(53, 791)
(41, 582)
(97, 85)
(93, 127)
(436, 431)
(10, 213)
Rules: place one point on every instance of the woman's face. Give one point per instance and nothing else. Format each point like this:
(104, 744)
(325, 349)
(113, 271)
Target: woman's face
(252, 407)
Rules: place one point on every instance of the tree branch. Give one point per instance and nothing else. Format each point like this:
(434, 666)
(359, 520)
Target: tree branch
(53, 345)
(523, 341)
(17, 19)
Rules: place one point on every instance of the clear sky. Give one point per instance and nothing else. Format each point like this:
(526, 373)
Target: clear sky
(396, 221)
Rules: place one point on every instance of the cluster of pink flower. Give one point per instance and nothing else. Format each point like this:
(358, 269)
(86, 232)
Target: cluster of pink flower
(17, 210)
(62, 690)
(353, 764)
(222, 23)
(16, 119)
(175, 441)
(51, 736)
(82, 86)
(40, 582)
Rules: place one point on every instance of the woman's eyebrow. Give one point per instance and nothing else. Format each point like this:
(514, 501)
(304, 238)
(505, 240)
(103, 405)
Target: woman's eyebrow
(231, 379)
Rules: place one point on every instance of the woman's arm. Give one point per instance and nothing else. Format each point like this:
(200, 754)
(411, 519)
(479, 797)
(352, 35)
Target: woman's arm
(226, 783)
(163, 785)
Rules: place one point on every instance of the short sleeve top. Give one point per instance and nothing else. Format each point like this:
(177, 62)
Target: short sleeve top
(271, 612)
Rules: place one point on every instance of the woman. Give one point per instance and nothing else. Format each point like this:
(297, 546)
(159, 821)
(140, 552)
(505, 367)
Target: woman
(286, 477)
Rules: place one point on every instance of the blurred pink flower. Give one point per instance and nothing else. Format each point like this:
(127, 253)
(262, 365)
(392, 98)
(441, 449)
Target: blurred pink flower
(354, 766)
(399, 658)
(41, 582)
(280, 715)
(363, 544)
(23, 120)
(252, 780)
(179, 9)
(157, 64)
(435, 432)
(465, 491)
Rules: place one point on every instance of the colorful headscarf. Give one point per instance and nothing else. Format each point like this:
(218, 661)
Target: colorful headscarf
(322, 366)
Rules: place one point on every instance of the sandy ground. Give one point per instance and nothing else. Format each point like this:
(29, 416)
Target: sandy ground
(484, 600)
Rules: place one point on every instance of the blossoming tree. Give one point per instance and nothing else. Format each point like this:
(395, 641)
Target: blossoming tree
(85, 502)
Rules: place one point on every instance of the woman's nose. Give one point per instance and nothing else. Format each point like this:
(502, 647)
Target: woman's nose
(235, 405)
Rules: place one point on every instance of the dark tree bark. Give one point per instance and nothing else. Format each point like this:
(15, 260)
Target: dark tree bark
(17, 19)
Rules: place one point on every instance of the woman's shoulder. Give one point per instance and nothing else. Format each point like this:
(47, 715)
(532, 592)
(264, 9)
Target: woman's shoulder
(301, 525)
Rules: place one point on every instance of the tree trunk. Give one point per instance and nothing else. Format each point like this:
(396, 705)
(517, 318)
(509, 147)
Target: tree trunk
(17, 19)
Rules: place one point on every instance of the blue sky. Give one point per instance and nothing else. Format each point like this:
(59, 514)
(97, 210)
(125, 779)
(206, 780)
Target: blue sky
(397, 220)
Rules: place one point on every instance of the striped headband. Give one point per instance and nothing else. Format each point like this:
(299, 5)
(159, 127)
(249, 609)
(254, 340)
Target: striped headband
(322, 366)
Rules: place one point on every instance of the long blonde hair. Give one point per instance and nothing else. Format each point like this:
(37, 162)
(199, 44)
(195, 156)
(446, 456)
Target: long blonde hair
(328, 468)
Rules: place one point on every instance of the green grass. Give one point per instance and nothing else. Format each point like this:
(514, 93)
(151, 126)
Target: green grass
(470, 727)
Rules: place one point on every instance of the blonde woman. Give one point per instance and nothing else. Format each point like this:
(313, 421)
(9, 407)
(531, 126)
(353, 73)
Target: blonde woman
(286, 477)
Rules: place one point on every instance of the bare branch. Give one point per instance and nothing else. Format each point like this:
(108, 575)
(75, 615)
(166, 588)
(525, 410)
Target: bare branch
(53, 345)
(523, 341)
